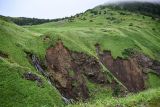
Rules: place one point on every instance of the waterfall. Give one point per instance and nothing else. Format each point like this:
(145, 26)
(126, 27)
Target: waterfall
(38, 67)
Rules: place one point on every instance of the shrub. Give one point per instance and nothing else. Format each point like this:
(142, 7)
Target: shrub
(122, 13)
(131, 24)
(110, 18)
(94, 12)
(116, 90)
(91, 20)
(153, 29)
(128, 52)
(84, 18)
(143, 17)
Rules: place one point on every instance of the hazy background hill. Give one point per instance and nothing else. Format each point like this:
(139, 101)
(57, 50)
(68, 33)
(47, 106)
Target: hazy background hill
(145, 8)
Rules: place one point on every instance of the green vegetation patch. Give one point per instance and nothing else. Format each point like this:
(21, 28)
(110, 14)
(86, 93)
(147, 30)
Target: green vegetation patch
(132, 100)
(153, 80)
(16, 91)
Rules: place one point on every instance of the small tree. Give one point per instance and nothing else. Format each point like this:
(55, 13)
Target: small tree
(131, 24)
(91, 20)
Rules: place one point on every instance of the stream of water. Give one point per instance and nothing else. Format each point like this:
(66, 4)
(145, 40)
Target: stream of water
(37, 65)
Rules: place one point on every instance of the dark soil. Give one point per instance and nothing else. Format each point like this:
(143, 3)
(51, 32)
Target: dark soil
(125, 70)
(68, 69)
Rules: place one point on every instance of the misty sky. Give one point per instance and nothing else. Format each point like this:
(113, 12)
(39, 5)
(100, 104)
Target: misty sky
(49, 8)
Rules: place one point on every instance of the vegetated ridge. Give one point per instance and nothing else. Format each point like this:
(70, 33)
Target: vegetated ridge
(99, 56)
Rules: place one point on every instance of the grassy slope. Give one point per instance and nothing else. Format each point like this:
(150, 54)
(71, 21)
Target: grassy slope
(110, 30)
(132, 100)
(114, 32)
(14, 90)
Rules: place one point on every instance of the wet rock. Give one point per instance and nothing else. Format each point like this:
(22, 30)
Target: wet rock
(38, 65)
(33, 77)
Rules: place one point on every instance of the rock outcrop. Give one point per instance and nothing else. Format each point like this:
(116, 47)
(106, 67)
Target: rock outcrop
(33, 77)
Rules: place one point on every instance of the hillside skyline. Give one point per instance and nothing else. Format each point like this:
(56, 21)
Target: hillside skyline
(49, 9)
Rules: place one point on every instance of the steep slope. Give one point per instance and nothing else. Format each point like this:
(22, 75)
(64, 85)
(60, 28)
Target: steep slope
(98, 55)
(16, 88)
(119, 32)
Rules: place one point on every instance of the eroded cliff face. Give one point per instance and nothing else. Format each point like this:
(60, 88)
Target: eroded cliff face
(59, 65)
(125, 70)
(69, 70)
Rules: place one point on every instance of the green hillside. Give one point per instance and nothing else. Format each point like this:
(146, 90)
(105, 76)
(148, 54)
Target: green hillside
(16, 91)
(114, 30)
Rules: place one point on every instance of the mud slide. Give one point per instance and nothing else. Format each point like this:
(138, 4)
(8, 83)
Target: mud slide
(68, 69)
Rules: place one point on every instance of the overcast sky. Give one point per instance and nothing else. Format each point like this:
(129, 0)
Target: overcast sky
(49, 8)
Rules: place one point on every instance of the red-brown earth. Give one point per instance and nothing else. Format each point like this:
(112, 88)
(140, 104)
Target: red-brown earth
(69, 70)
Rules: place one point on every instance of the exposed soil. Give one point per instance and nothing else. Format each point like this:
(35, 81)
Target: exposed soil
(67, 70)
(60, 65)
(125, 70)
(131, 71)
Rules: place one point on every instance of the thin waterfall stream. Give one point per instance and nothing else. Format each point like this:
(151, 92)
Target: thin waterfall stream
(37, 65)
